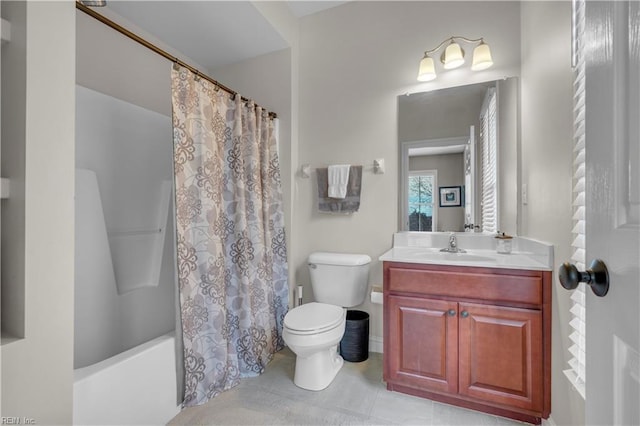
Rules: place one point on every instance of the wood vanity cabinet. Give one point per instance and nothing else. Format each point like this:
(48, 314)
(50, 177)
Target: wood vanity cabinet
(474, 337)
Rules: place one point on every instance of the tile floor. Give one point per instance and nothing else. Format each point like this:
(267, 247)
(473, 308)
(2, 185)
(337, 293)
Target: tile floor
(356, 397)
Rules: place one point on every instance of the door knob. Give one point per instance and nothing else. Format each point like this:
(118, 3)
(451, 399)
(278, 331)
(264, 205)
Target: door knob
(464, 314)
(451, 312)
(597, 276)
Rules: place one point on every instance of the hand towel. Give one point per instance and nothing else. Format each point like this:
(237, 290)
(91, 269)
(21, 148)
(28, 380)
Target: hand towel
(337, 178)
(351, 203)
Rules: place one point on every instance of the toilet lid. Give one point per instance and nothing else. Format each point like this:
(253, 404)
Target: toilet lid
(313, 317)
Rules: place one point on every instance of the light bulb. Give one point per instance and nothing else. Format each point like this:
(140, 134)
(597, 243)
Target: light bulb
(453, 56)
(481, 57)
(427, 71)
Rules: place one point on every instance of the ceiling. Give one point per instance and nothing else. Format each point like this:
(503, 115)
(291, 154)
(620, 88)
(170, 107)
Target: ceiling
(304, 8)
(212, 33)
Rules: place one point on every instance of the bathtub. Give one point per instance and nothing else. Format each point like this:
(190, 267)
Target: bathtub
(135, 387)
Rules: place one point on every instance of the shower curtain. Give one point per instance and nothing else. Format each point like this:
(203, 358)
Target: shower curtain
(232, 267)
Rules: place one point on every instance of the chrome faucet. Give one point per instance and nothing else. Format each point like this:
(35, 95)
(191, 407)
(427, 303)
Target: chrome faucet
(453, 245)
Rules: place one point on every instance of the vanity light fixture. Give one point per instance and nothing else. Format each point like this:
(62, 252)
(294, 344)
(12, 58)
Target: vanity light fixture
(453, 57)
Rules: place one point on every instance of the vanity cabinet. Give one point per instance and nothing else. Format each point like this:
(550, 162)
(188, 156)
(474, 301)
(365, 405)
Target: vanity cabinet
(474, 337)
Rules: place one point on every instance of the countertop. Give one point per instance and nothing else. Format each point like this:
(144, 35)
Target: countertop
(480, 250)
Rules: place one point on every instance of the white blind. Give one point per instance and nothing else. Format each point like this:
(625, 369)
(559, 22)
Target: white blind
(576, 371)
(489, 177)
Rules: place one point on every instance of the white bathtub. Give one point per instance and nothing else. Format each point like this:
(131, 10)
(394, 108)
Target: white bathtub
(135, 387)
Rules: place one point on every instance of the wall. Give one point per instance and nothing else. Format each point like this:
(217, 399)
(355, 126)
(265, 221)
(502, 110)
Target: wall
(547, 145)
(268, 80)
(355, 60)
(112, 64)
(4, 35)
(508, 155)
(440, 114)
(14, 86)
(450, 169)
(37, 371)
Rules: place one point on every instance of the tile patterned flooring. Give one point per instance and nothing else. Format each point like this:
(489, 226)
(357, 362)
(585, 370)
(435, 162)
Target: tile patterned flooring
(356, 397)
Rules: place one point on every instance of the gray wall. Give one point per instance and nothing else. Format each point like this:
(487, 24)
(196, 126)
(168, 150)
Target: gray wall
(547, 158)
(508, 155)
(341, 115)
(355, 60)
(450, 169)
(440, 114)
(14, 91)
(37, 370)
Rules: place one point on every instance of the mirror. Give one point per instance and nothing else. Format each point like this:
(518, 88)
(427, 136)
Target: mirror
(440, 140)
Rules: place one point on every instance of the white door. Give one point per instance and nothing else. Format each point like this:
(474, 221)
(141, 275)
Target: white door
(469, 181)
(613, 210)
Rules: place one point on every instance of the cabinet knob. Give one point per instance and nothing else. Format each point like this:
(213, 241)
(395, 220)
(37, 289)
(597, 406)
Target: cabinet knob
(464, 314)
(451, 312)
(597, 276)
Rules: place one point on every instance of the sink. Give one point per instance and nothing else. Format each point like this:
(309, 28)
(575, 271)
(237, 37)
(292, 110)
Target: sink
(434, 254)
(466, 257)
(425, 248)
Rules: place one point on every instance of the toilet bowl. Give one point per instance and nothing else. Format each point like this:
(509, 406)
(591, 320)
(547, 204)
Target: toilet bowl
(314, 330)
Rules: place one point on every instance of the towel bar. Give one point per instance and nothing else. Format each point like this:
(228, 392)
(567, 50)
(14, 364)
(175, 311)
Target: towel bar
(378, 168)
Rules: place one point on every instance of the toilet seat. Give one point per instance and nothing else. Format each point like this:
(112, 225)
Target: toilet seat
(314, 318)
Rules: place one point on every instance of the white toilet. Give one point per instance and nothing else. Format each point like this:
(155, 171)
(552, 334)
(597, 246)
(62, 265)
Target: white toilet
(313, 331)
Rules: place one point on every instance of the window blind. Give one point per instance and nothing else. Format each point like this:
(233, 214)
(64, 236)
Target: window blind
(489, 177)
(577, 323)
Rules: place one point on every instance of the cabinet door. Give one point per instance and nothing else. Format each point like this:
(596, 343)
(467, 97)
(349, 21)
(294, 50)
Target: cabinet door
(501, 355)
(423, 343)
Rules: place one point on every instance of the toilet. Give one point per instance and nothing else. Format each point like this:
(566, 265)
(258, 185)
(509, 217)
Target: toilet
(314, 330)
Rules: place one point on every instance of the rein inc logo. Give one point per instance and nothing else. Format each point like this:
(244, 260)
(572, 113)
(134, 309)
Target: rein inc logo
(17, 421)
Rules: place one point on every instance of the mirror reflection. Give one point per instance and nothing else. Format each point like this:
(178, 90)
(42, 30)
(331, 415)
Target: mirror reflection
(458, 150)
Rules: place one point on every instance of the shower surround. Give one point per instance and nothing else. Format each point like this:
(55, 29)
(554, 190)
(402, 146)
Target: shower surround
(125, 284)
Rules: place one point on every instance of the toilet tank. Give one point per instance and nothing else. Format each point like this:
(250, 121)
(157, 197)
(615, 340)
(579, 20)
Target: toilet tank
(339, 278)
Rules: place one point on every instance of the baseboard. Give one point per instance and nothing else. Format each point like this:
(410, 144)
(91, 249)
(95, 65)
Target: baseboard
(548, 422)
(375, 344)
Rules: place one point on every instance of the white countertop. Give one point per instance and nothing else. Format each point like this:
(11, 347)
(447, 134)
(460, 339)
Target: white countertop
(410, 247)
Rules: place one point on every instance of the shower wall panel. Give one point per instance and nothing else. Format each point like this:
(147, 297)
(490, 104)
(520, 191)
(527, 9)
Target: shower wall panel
(129, 149)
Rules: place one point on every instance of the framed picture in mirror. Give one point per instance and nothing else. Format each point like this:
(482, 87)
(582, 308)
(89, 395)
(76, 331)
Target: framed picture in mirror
(451, 196)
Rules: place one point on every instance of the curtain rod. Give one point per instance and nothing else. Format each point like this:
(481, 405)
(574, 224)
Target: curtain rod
(156, 49)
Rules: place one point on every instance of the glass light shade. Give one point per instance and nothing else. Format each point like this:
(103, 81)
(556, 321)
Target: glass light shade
(427, 71)
(94, 3)
(481, 57)
(453, 56)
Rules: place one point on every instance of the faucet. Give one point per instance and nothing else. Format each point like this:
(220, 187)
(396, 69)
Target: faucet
(453, 245)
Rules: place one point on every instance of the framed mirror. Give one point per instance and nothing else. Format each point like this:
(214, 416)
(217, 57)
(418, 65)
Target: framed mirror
(459, 156)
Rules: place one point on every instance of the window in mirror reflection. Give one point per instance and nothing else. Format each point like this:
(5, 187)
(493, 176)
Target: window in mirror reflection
(421, 198)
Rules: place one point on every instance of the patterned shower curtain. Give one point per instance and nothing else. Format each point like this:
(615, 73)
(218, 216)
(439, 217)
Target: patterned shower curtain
(232, 267)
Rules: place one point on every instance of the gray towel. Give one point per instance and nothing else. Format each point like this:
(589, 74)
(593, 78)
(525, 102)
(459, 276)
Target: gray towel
(349, 204)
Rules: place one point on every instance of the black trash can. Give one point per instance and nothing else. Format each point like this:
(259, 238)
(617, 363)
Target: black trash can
(354, 346)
